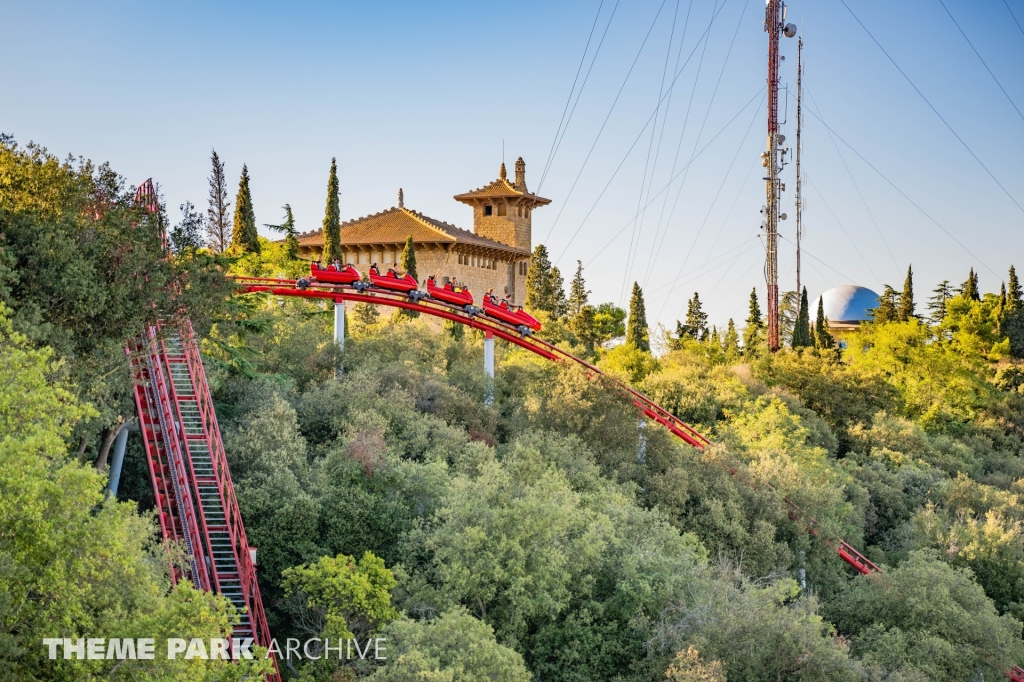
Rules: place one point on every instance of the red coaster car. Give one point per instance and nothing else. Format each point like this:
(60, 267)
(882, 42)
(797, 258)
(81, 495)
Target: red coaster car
(449, 293)
(515, 316)
(332, 275)
(392, 281)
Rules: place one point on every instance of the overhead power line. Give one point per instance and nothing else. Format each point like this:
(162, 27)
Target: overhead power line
(982, 60)
(1014, 17)
(902, 193)
(932, 107)
(663, 189)
(560, 133)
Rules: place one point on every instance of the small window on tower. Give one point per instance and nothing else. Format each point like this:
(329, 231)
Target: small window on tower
(487, 209)
(501, 209)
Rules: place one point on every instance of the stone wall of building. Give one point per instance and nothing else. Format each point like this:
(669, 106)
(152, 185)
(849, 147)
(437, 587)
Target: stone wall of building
(511, 229)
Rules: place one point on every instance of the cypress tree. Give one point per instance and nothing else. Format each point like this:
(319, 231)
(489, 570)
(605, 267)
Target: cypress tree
(752, 333)
(969, 289)
(584, 325)
(244, 238)
(907, 297)
(1014, 294)
(731, 343)
(802, 327)
(557, 294)
(218, 215)
(332, 218)
(579, 296)
(291, 242)
(637, 334)
(888, 308)
(696, 319)
(538, 281)
(409, 258)
(822, 337)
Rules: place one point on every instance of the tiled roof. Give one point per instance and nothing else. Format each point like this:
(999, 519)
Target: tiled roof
(394, 226)
(500, 189)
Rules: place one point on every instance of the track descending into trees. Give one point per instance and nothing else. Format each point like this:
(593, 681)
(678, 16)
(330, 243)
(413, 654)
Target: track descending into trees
(477, 320)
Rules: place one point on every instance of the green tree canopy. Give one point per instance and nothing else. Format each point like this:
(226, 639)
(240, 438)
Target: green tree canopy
(969, 289)
(906, 311)
(332, 217)
(409, 258)
(802, 328)
(822, 337)
(244, 238)
(291, 242)
(636, 327)
(755, 324)
(937, 302)
(888, 306)
(579, 296)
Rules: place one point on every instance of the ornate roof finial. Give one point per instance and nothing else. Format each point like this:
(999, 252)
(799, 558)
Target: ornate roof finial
(520, 174)
(401, 198)
(502, 173)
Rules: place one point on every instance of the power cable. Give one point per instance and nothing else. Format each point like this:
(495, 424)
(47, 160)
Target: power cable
(639, 135)
(902, 193)
(707, 215)
(978, 54)
(660, 192)
(651, 294)
(936, 111)
(857, 187)
(805, 251)
(1014, 17)
(655, 246)
(557, 142)
(610, 110)
(639, 226)
(841, 227)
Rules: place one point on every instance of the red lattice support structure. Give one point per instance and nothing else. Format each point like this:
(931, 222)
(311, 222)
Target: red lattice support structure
(194, 495)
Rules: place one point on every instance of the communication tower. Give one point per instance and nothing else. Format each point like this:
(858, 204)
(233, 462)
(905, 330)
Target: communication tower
(773, 159)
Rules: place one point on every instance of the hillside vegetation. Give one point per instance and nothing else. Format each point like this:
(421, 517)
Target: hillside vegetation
(550, 535)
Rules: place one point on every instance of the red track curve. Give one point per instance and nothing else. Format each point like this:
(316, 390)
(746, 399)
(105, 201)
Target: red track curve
(686, 433)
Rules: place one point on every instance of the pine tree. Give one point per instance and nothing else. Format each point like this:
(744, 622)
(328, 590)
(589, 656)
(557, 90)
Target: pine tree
(822, 337)
(937, 302)
(637, 334)
(888, 306)
(696, 319)
(802, 327)
(755, 324)
(906, 312)
(969, 289)
(332, 218)
(538, 281)
(731, 343)
(579, 296)
(244, 238)
(291, 242)
(409, 258)
(1014, 294)
(218, 215)
(557, 294)
(584, 325)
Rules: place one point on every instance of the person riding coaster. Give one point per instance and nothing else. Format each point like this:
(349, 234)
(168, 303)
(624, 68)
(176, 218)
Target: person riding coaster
(391, 281)
(519, 318)
(334, 273)
(449, 292)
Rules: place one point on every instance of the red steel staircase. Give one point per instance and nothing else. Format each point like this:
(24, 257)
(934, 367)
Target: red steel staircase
(195, 499)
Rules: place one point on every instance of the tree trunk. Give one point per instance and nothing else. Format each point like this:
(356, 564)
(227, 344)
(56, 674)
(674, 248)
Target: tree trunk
(81, 448)
(109, 434)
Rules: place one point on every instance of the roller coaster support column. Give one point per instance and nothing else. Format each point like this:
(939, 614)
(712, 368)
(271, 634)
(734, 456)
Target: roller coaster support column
(339, 326)
(115, 466)
(489, 366)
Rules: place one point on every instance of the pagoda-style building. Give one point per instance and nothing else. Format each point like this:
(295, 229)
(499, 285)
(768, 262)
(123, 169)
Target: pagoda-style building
(494, 256)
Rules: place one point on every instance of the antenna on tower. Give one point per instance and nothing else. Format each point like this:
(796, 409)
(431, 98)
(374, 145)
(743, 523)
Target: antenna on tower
(799, 179)
(774, 160)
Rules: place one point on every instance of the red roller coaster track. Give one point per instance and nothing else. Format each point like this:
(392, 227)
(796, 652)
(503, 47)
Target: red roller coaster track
(339, 293)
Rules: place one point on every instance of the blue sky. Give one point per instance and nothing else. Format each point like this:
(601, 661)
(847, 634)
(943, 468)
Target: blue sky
(423, 96)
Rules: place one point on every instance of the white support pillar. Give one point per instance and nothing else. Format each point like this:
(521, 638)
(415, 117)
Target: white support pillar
(339, 327)
(489, 366)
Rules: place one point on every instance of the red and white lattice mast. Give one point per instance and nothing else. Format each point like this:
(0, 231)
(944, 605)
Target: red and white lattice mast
(773, 160)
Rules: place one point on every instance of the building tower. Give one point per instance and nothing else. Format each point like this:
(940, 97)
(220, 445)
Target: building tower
(503, 210)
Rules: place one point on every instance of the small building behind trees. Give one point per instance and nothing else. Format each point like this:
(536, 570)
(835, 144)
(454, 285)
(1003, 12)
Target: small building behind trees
(495, 255)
